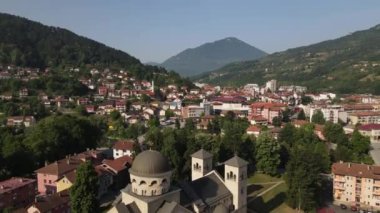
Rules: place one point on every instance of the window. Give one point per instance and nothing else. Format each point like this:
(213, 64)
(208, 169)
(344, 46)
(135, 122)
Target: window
(44, 180)
(142, 182)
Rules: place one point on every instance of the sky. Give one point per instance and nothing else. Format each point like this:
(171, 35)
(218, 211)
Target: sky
(154, 30)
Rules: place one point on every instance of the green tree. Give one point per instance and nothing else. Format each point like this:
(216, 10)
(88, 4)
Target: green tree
(303, 179)
(276, 121)
(169, 113)
(267, 154)
(115, 115)
(301, 115)
(317, 117)
(177, 124)
(288, 134)
(334, 133)
(84, 192)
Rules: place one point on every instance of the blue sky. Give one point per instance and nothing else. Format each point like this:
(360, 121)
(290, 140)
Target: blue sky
(153, 30)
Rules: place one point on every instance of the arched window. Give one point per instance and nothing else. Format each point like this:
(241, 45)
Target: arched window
(153, 183)
(133, 180)
(231, 175)
(164, 181)
(142, 182)
(234, 177)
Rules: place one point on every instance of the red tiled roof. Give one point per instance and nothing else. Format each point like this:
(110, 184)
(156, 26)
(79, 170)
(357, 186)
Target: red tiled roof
(14, 183)
(364, 114)
(119, 164)
(124, 145)
(60, 167)
(48, 204)
(356, 170)
(300, 122)
(369, 127)
(253, 128)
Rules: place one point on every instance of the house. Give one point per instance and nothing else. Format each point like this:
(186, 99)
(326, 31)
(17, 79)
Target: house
(104, 179)
(356, 184)
(122, 148)
(90, 109)
(24, 92)
(17, 192)
(18, 121)
(57, 203)
(119, 170)
(372, 131)
(192, 111)
(257, 120)
(253, 130)
(268, 110)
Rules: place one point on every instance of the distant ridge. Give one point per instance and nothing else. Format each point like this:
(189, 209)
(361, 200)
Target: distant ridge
(211, 56)
(349, 64)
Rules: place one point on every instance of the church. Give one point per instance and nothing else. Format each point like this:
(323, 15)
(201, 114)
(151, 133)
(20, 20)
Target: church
(151, 191)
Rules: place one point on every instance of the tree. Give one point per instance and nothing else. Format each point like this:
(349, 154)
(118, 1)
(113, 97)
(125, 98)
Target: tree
(334, 133)
(169, 113)
(318, 117)
(287, 134)
(360, 144)
(267, 154)
(301, 115)
(177, 124)
(84, 192)
(154, 122)
(303, 179)
(305, 100)
(276, 121)
(115, 115)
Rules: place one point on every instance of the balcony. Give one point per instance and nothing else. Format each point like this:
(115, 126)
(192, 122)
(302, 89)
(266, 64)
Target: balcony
(376, 183)
(339, 186)
(376, 192)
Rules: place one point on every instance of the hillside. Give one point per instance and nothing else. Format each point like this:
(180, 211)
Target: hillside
(345, 65)
(211, 56)
(31, 44)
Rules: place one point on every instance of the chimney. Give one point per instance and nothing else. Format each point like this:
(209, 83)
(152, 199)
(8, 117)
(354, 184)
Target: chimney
(349, 165)
(46, 163)
(368, 167)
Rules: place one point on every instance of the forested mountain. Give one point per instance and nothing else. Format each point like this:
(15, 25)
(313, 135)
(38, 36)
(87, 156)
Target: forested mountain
(346, 65)
(31, 44)
(211, 56)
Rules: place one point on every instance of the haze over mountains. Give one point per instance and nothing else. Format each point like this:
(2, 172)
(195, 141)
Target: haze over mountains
(211, 56)
(346, 65)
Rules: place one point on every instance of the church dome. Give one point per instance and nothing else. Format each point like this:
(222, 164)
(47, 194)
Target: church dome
(150, 163)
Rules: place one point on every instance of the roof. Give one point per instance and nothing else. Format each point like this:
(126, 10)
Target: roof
(124, 145)
(14, 183)
(300, 122)
(201, 154)
(129, 208)
(60, 167)
(253, 128)
(47, 204)
(364, 114)
(172, 207)
(119, 164)
(369, 127)
(356, 170)
(150, 163)
(221, 209)
(236, 162)
(206, 190)
(267, 105)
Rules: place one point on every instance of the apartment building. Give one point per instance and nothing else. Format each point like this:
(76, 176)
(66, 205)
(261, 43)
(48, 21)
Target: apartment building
(369, 117)
(356, 184)
(372, 131)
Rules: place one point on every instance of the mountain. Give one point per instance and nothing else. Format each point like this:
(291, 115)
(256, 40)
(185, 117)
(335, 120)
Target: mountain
(211, 56)
(152, 63)
(31, 44)
(350, 64)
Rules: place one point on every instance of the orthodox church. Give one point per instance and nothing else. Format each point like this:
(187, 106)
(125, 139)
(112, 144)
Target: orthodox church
(150, 190)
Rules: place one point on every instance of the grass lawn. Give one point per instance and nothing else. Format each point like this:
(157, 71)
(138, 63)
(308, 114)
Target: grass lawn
(272, 201)
(262, 178)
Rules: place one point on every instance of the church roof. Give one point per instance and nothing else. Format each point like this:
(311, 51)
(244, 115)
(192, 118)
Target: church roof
(202, 154)
(206, 190)
(129, 208)
(172, 207)
(149, 163)
(236, 162)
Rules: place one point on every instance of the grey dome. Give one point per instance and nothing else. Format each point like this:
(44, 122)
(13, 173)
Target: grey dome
(220, 209)
(149, 163)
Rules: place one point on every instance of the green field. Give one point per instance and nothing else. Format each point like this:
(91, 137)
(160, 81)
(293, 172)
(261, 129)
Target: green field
(271, 201)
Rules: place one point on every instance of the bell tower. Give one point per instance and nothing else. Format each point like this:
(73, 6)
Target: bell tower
(235, 178)
(201, 164)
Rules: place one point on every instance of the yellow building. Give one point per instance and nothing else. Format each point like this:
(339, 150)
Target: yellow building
(66, 181)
